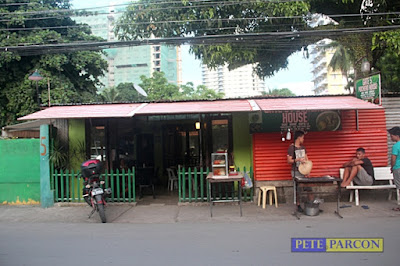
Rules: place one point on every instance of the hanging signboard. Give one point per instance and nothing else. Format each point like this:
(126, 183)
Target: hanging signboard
(298, 120)
(369, 89)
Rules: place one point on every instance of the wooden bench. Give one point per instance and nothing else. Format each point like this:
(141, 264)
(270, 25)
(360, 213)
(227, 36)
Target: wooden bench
(381, 174)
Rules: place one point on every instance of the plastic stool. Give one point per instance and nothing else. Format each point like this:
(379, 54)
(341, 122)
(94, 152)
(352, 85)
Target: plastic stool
(264, 191)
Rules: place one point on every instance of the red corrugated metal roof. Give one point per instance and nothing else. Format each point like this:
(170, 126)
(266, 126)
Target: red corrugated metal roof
(197, 107)
(129, 110)
(85, 111)
(315, 103)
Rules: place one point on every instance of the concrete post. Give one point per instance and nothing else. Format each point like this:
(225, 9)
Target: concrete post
(46, 195)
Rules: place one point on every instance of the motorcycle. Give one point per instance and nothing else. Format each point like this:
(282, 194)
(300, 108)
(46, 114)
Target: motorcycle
(93, 193)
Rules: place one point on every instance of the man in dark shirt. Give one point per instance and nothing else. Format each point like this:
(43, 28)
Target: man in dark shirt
(296, 155)
(359, 170)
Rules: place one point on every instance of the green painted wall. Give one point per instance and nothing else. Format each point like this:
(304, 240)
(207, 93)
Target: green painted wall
(77, 148)
(242, 144)
(20, 171)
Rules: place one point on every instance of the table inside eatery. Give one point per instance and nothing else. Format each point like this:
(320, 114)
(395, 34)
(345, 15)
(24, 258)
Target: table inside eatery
(214, 179)
(299, 182)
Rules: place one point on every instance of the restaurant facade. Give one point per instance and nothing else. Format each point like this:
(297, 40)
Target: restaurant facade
(256, 134)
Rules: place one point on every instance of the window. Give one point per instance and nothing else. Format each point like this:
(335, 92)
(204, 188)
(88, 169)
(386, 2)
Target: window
(220, 134)
(97, 141)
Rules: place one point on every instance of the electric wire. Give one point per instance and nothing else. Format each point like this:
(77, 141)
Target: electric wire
(209, 3)
(216, 39)
(82, 24)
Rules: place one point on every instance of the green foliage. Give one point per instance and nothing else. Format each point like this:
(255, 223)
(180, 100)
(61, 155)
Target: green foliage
(279, 92)
(145, 18)
(73, 75)
(389, 64)
(378, 48)
(59, 155)
(342, 59)
(110, 95)
(188, 92)
(127, 93)
(158, 89)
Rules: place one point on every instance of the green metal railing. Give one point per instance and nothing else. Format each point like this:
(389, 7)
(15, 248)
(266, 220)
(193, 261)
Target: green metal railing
(193, 186)
(68, 185)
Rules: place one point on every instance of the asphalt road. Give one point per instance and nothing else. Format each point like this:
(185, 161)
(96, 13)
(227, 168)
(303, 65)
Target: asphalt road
(252, 243)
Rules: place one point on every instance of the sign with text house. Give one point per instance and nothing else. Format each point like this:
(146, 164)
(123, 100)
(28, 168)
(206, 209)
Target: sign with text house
(298, 120)
(369, 89)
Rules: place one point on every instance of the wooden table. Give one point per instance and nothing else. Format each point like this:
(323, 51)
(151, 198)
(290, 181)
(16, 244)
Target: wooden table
(316, 181)
(225, 179)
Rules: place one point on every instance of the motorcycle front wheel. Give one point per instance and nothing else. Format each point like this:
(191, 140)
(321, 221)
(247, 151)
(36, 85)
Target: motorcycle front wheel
(100, 208)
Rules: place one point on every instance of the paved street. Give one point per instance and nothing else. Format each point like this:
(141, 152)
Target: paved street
(254, 243)
(187, 235)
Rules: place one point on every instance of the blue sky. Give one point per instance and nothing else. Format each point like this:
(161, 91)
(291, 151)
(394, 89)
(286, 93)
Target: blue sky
(297, 77)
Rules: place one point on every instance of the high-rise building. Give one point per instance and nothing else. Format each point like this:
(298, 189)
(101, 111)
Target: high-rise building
(127, 64)
(326, 80)
(238, 83)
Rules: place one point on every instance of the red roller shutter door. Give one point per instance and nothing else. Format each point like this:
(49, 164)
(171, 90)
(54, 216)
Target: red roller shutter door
(328, 150)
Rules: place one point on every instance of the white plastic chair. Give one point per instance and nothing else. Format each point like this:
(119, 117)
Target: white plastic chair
(172, 179)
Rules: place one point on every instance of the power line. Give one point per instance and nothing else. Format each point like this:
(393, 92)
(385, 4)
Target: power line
(199, 40)
(193, 20)
(15, 4)
(169, 3)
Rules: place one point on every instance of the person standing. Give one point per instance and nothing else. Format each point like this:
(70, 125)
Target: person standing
(395, 158)
(359, 169)
(296, 155)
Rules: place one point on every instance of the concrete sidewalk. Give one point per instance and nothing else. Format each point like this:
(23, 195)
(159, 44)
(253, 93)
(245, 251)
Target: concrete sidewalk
(186, 213)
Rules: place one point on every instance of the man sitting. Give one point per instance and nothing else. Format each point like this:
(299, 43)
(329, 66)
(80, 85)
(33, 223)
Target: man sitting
(359, 170)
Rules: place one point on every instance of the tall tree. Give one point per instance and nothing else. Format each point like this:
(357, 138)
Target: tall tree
(158, 88)
(377, 47)
(201, 92)
(73, 76)
(146, 18)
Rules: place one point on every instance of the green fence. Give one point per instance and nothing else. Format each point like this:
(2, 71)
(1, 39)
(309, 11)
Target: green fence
(193, 186)
(68, 185)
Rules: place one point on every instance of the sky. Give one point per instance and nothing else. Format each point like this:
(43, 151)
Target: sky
(297, 77)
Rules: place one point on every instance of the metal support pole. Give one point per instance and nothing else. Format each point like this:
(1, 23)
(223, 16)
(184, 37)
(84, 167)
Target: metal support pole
(37, 94)
(48, 89)
(201, 143)
(357, 125)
